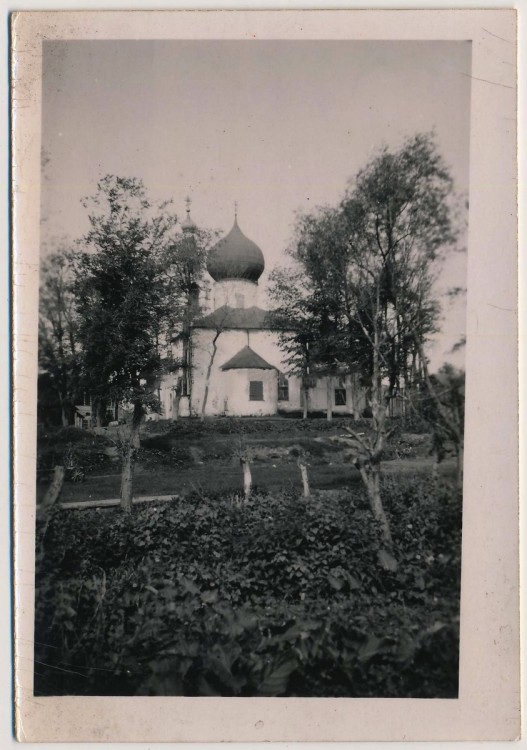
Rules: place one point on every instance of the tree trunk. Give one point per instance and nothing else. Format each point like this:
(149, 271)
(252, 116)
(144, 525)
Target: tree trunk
(329, 386)
(207, 376)
(435, 466)
(247, 478)
(370, 469)
(99, 405)
(459, 467)
(48, 501)
(127, 473)
(127, 477)
(371, 476)
(305, 478)
(177, 401)
(54, 488)
(305, 391)
(63, 414)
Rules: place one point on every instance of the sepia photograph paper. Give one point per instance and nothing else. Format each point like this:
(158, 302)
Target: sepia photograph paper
(265, 376)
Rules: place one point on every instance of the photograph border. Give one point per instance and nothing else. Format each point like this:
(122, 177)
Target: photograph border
(488, 703)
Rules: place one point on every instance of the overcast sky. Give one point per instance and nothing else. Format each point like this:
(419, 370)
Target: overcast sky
(279, 126)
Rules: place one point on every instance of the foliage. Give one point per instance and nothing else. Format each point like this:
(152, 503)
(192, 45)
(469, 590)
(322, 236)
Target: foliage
(370, 266)
(294, 318)
(88, 451)
(282, 596)
(121, 303)
(250, 425)
(183, 262)
(58, 350)
(119, 292)
(441, 403)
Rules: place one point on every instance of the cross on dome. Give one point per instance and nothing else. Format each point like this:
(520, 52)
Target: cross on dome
(188, 225)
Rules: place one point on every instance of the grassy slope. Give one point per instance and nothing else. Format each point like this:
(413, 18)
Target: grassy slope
(202, 457)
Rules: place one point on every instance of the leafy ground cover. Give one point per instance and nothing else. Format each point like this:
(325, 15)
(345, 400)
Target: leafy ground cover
(282, 596)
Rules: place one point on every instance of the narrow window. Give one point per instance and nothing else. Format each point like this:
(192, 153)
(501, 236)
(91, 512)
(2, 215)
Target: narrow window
(283, 388)
(340, 393)
(256, 390)
(240, 300)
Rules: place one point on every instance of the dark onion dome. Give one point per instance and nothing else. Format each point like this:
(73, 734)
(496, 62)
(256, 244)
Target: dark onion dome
(236, 257)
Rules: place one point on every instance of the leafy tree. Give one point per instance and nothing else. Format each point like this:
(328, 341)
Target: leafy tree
(442, 404)
(293, 318)
(371, 265)
(58, 349)
(184, 261)
(121, 303)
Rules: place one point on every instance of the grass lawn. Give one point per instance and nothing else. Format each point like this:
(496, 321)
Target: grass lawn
(218, 477)
(195, 457)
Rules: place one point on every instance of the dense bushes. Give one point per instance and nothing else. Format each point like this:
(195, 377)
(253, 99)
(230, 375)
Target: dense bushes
(72, 445)
(283, 596)
(251, 426)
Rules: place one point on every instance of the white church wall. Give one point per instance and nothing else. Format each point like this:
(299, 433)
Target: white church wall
(229, 343)
(225, 388)
(228, 391)
(236, 393)
(235, 293)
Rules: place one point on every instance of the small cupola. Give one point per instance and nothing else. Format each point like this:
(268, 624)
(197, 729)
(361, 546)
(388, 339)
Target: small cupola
(188, 225)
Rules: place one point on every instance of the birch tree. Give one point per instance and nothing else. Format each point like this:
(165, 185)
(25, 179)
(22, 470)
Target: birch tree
(372, 263)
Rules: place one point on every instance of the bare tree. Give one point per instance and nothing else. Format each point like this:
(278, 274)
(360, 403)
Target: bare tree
(220, 321)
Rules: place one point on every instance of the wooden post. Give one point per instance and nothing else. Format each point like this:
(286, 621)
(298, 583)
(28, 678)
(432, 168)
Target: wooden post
(329, 386)
(305, 393)
(247, 477)
(305, 477)
(54, 489)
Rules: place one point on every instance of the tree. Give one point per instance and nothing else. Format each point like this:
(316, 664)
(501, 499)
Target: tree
(122, 305)
(371, 265)
(442, 404)
(184, 262)
(58, 329)
(220, 320)
(293, 318)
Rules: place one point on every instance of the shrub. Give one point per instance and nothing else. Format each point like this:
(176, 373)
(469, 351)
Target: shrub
(282, 596)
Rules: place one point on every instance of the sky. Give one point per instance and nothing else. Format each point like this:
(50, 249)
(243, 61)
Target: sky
(278, 126)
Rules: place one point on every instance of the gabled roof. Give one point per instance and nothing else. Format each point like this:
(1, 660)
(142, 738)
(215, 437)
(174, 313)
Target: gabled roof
(83, 411)
(244, 318)
(247, 359)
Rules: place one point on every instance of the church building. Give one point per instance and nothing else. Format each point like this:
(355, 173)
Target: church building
(235, 366)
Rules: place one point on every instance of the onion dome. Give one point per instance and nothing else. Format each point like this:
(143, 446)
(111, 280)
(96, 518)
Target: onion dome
(236, 257)
(188, 225)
